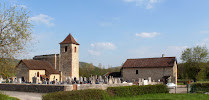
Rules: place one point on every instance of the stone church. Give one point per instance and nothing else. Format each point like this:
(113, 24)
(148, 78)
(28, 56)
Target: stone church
(54, 66)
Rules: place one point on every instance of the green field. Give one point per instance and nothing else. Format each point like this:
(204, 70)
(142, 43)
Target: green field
(165, 97)
(6, 97)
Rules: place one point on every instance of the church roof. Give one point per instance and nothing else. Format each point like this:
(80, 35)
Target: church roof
(69, 40)
(39, 65)
(149, 62)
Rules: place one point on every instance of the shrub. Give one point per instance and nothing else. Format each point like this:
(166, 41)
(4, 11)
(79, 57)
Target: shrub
(137, 90)
(91, 94)
(200, 87)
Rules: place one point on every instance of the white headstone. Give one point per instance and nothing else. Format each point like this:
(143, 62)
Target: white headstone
(145, 82)
(20, 80)
(110, 81)
(149, 80)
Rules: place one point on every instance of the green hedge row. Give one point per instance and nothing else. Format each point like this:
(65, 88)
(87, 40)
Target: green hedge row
(91, 94)
(137, 90)
(200, 87)
(96, 94)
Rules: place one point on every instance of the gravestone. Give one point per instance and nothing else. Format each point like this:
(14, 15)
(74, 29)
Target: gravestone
(110, 81)
(20, 80)
(149, 80)
(145, 82)
(115, 81)
(81, 79)
(93, 80)
(34, 79)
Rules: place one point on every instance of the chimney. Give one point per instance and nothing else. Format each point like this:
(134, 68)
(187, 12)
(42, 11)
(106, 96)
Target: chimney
(163, 55)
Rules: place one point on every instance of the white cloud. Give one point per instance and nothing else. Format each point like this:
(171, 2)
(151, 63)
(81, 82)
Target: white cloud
(43, 19)
(93, 52)
(100, 47)
(103, 45)
(148, 4)
(147, 35)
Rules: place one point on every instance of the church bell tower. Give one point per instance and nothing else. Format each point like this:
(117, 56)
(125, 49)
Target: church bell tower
(69, 58)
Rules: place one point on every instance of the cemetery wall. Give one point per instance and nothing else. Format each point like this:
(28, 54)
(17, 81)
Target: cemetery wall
(43, 88)
(35, 87)
(100, 86)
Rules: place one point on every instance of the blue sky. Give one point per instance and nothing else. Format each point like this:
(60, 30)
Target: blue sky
(111, 31)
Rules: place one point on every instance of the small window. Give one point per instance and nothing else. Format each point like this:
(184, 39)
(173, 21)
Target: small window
(137, 72)
(65, 49)
(37, 74)
(75, 49)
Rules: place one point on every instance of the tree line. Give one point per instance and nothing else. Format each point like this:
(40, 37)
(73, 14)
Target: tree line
(195, 64)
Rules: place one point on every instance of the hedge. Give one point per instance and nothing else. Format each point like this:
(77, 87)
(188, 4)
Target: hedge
(91, 94)
(137, 90)
(200, 87)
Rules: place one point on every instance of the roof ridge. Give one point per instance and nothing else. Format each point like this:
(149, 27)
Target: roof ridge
(149, 58)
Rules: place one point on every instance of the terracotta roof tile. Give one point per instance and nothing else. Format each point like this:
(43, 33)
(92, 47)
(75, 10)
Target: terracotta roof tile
(40, 65)
(69, 40)
(149, 62)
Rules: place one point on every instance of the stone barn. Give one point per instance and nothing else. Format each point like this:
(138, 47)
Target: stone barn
(163, 68)
(64, 65)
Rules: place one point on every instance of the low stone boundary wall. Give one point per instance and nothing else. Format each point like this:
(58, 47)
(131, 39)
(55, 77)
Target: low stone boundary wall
(35, 87)
(100, 86)
(46, 88)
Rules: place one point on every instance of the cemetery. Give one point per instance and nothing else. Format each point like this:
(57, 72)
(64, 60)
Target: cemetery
(70, 84)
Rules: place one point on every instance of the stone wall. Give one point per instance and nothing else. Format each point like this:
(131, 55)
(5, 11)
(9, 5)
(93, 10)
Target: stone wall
(41, 88)
(100, 86)
(22, 71)
(75, 61)
(154, 73)
(53, 59)
(34, 88)
(69, 61)
(33, 73)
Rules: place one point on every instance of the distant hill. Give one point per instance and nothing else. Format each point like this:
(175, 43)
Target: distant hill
(88, 69)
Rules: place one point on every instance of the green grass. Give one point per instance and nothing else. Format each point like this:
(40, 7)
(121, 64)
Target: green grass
(165, 97)
(6, 97)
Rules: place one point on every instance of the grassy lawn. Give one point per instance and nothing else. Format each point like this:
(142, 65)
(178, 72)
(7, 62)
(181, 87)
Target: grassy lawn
(6, 97)
(165, 97)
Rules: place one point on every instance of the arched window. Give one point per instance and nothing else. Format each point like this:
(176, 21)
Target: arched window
(75, 49)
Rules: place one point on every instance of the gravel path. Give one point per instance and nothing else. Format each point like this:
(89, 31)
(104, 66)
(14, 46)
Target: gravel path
(24, 95)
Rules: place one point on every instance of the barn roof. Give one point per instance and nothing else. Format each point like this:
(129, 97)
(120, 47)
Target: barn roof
(149, 62)
(39, 65)
(69, 40)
